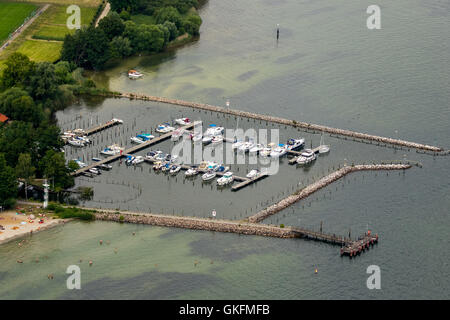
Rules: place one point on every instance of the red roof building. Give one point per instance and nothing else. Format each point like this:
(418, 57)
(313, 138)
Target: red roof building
(3, 118)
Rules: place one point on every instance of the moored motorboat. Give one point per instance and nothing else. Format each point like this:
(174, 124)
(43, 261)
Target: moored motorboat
(209, 175)
(76, 143)
(79, 163)
(94, 171)
(174, 169)
(225, 179)
(256, 148)
(294, 144)
(153, 154)
(177, 134)
(112, 150)
(246, 146)
(191, 172)
(278, 151)
(105, 166)
(307, 156)
(217, 139)
(164, 128)
(183, 121)
(237, 144)
(138, 160)
(141, 138)
(157, 165)
(252, 174)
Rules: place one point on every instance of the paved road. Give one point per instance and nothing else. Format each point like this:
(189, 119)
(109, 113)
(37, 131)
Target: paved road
(18, 32)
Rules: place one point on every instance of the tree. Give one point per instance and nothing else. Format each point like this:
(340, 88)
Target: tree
(150, 38)
(191, 24)
(18, 68)
(8, 184)
(119, 5)
(73, 166)
(173, 31)
(16, 138)
(120, 47)
(168, 14)
(112, 25)
(25, 170)
(54, 167)
(18, 105)
(43, 82)
(86, 48)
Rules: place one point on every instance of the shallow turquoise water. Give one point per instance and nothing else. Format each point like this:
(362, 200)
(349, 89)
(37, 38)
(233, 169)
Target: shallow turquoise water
(327, 68)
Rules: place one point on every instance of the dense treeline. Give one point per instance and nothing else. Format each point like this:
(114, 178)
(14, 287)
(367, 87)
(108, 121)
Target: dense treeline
(30, 143)
(117, 36)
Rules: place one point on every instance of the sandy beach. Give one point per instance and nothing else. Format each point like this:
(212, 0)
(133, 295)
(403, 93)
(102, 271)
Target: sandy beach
(16, 224)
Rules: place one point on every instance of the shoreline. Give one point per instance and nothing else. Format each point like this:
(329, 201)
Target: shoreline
(10, 234)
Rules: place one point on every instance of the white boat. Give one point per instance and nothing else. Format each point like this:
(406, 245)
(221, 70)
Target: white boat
(306, 157)
(96, 159)
(323, 148)
(246, 146)
(191, 172)
(222, 168)
(76, 143)
(214, 130)
(105, 166)
(207, 139)
(137, 160)
(111, 150)
(152, 155)
(183, 121)
(209, 175)
(94, 171)
(252, 174)
(133, 74)
(129, 160)
(174, 169)
(177, 134)
(115, 120)
(278, 151)
(225, 179)
(197, 137)
(141, 138)
(294, 144)
(217, 139)
(265, 152)
(164, 128)
(256, 148)
(236, 144)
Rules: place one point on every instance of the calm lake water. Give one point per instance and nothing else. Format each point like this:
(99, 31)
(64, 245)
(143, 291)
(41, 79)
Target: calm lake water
(326, 68)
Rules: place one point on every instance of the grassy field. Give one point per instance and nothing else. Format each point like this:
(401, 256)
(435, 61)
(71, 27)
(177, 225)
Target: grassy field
(51, 25)
(84, 3)
(41, 50)
(53, 22)
(12, 16)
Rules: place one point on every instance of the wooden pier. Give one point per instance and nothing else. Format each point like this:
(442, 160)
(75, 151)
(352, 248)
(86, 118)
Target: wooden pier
(128, 151)
(101, 127)
(348, 246)
(248, 181)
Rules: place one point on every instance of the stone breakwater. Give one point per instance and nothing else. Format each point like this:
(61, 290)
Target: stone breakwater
(294, 123)
(321, 183)
(196, 223)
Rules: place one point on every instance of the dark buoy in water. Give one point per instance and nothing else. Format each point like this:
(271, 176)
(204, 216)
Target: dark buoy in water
(278, 31)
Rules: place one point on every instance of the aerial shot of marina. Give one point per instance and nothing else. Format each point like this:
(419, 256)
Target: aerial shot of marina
(224, 150)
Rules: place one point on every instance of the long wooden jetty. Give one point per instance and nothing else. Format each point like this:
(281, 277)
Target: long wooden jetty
(128, 151)
(294, 123)
(321, 183)
(349, 246)
(102, 127)
(248, 181)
